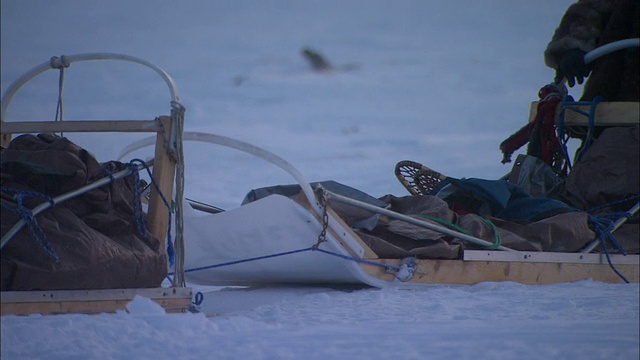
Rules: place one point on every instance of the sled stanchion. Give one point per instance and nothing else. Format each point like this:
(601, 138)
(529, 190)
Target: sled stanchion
(163, 172)
(413, 221)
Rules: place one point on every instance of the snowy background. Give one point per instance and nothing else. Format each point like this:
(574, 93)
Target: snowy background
(438, 82)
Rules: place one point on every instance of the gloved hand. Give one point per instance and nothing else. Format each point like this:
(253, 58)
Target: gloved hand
(572, 67)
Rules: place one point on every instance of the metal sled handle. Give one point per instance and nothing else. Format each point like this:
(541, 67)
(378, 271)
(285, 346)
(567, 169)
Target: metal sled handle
(609, 48)
(66, 60)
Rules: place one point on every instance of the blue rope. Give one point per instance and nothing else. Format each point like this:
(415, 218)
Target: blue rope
(170, 246)
(141, 225)
(246, 260)
(34, 227)
(602, 226)
(591, 116)
(197, 301)
(592, 120)
(604, 246)
(603, 223)
(388, 268)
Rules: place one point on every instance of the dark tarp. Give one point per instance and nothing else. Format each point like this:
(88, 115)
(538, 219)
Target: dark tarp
(94, 236)
(608, 171)
(499, 198)
(534, 211)
(564, 232)
(390, 238)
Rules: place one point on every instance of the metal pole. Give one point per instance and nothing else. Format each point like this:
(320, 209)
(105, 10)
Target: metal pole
(411, 220)
(16, 85)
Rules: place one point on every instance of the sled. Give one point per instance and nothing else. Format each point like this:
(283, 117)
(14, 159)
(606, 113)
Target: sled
(176, 298)
(298, 238)
(226, 249)
(301, 239)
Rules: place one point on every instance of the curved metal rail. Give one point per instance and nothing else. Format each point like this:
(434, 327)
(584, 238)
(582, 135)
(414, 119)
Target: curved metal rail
(54, 62)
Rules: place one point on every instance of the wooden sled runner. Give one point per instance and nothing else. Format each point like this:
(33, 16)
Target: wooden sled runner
(167, 159)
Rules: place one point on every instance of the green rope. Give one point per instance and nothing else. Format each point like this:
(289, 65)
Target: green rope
(445, 223)
(457, 228)
(498, 241)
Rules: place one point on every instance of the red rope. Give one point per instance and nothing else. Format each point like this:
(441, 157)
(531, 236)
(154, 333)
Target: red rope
(540, 133)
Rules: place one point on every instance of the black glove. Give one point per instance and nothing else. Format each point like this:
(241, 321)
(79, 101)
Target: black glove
(572, 67)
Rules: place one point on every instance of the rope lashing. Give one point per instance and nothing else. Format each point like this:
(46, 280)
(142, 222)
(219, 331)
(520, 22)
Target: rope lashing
(611, 264)
(388, 268)
(60, 63)
(591, 117)
(34, 227)
(195, 304)
(177, 121)
(602, 229)
(605, 225)
(141, 225)
(28, 218)
(234, 262)
(140, 221)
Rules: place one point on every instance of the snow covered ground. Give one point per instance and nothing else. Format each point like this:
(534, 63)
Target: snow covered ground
(585, 320)
(442, 83)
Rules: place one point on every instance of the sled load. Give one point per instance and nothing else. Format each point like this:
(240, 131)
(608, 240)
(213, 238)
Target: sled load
(75, 234)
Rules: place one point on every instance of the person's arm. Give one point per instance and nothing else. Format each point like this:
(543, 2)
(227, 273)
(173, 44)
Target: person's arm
(578, 33)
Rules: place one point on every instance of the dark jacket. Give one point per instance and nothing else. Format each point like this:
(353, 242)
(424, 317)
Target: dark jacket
(589, 24)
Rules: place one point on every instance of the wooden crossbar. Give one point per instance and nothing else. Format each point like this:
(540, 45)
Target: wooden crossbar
(90, 301)
(607, 114)
(25, 127)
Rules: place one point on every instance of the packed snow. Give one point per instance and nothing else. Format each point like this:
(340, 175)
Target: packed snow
(438, 82)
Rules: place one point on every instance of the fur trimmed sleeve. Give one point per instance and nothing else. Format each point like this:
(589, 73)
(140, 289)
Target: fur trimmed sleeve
(580, 27)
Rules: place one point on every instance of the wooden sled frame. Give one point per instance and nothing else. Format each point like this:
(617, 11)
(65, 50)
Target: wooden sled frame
(622, 113)
(174, 299)
(530, 268)
(358, 264)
